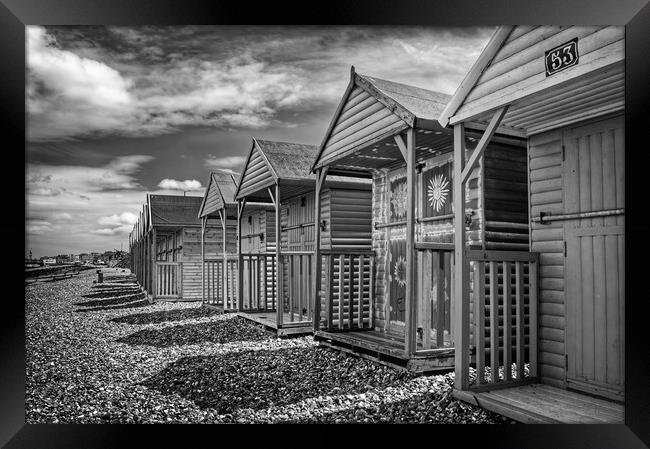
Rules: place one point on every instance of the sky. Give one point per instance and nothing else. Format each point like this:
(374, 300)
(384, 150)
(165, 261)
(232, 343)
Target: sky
(114, 113)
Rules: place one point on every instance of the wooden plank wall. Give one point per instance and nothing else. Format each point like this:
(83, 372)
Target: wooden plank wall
(505, 198)
(496, 192)
(518, 67)
(296, 215)
(256, 175)
(192, 263)
(251, 244)
(269, 226)
(349, 224)
(213, 200)
(362, 120)
(545, 165)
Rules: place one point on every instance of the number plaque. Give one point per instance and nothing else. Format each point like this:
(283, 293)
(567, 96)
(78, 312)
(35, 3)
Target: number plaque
(561, 57)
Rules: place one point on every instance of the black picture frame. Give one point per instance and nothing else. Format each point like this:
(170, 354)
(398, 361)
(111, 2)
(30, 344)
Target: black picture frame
(635, 14)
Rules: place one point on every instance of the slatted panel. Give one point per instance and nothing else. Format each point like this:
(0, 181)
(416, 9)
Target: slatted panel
(259, 288)
(362, 119)
(504, 302)
(349, 300)
(168, 279)
(545, 165)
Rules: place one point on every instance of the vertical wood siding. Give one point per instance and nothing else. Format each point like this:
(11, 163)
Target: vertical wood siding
(594, 180)
(545, 167)
(192, 264)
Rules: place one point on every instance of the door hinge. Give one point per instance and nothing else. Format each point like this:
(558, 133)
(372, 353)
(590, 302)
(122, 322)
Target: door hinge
(565, 248)
(563, 151)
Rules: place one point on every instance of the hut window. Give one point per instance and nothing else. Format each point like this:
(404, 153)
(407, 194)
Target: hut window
(250, 219)
(303, 201)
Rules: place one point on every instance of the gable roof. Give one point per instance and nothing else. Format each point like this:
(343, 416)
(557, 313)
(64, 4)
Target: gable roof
(511, 72)
(219, 193)
(288, 160)
(423, 104)
(270, 161)
(490, 50)
(410, 107)
(174, 210)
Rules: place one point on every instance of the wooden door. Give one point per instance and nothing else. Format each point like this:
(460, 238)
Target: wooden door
(595, 273)
(396, 250)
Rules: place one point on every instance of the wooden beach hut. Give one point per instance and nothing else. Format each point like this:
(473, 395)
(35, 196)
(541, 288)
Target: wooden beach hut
(278, 174)
(218, 215)
(166, 248)
(562, 89)
(389, 131)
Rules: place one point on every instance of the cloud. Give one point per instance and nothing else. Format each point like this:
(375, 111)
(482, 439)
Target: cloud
(125, 218)
(187, 185)
(38, 227)
(79, 181)
(151, 80)
(83, 197)
(68, 95)
(61, 216)
(225, 162)
(120, 230)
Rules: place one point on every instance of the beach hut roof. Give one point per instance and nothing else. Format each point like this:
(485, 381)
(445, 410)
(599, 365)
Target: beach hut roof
(220, 192)
(174, 210)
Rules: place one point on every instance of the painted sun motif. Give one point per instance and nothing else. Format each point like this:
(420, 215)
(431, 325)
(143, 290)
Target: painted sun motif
(437, 191)
(400, 271)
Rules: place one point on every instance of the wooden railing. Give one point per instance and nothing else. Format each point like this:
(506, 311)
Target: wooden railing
(434, 298)
(348, 290)
(169, 279)
(259, 281)
(220, 288)
(503, 317)
(298, 293)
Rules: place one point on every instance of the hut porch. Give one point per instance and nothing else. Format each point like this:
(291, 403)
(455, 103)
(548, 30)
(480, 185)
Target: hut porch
(569, 294)
(544, 404)
(277, 287)
(290, 326)
(386, 347)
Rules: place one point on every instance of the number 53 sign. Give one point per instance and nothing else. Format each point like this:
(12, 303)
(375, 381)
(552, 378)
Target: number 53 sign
(561, 57)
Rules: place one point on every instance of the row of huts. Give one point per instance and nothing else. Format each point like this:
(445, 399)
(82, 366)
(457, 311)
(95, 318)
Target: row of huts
(482, 231)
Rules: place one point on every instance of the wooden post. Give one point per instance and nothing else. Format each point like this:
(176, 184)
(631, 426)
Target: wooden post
(203, 223)
(224, 278)
(154, 256)
(461, 267)
(240, 257)
(411, 290)
(278, 254)
(320, 180)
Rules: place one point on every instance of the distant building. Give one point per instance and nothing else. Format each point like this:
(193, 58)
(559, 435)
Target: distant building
(48, 261)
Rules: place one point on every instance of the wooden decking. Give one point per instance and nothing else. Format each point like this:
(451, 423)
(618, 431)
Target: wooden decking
(387, 348)
(543, 404)
(269, 320)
